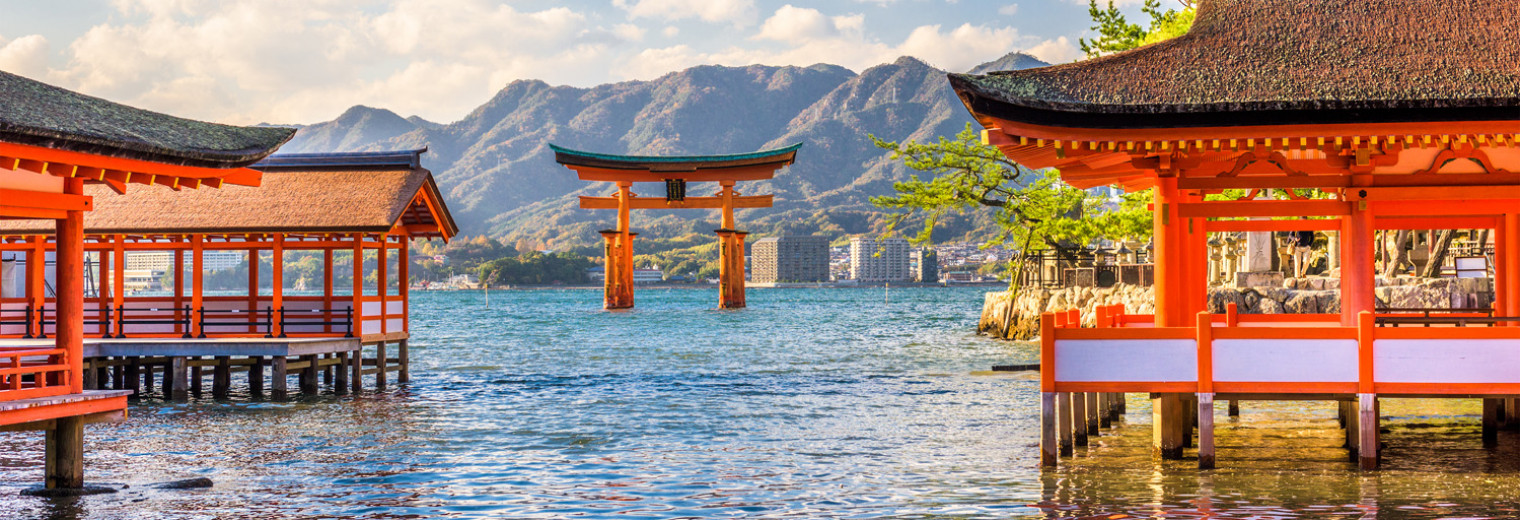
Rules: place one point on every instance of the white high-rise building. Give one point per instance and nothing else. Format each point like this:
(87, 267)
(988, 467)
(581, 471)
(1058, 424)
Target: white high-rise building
(164, 260)
(883, 260)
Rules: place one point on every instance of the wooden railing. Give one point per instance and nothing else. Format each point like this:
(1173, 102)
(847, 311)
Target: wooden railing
(219, 317)
(28, 373)
(1302, 354)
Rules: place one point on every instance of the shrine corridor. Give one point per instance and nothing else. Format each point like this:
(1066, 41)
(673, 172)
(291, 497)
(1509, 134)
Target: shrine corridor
(845, 406)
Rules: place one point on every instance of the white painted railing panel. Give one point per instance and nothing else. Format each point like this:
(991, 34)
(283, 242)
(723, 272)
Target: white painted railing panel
(1446, 361)
(395, 307)
(1285, 360)
(371, 327)
(1126, 360)
(395, 325)
(371, 308)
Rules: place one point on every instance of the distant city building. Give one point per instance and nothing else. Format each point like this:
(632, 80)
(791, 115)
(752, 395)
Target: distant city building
(924, 264)
(599, 275)
(961, 277)
(802, 258)
(134, 280)
(648, 276)
(164, 260)
(883, 260)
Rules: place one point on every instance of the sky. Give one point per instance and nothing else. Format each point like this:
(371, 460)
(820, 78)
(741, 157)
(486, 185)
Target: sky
(305, 61)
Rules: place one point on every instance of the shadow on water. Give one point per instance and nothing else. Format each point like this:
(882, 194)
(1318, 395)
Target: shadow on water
(811, 404)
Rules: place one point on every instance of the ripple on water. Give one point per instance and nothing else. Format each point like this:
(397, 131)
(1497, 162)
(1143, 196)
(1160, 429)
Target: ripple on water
(810, 404)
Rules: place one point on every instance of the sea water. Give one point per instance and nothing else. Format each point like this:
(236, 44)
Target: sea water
(812, 403)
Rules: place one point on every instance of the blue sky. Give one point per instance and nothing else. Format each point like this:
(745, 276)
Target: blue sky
(304, 61)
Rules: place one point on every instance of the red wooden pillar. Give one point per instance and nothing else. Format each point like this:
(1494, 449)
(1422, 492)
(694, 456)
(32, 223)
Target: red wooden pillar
(1197, 277)
(69, 273)
(36, 295)
(179, 285)
(403, 281)
(1500, 265)
(197, 276)
(381, 273)
(611, 288)
(1169, 256)
(327, 285)
(277, 284)
(1511, 267)
(119, 271)
(357, 301)
(1357, 273)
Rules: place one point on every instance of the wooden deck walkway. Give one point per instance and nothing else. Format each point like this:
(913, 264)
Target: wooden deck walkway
(177, 367)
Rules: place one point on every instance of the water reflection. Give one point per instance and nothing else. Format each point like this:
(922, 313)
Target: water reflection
(811, 404)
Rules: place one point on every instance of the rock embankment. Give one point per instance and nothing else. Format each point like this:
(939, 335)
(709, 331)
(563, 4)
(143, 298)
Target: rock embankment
(1018, 318)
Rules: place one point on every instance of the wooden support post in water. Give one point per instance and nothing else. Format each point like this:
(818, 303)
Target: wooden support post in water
(1512, 414)
(256, 376)
(279, 380)
(1123, 405)
(1491, 408)
(327, 370)
(1079, 418)
(404, 373)
(1234, 408)
(147, 378)
(1189, 418)
(197, 378)
(134, 378)
(1105, 410)
(356, 364)
(340, 381)
(1048, 425)
(380, 362)
(181, 387)
(309, 375)
(1353, 431)
(65, 454)
(1094, 414)
(221, 377)
(1367, 430)
(1205, 431)
(1167, 416)
(118, 375)
(1067, 426)
(90, 381)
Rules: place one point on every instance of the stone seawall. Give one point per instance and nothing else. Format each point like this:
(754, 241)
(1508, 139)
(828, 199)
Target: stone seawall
(1018, 318)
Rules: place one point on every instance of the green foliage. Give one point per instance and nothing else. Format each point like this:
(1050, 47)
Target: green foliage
(535, 268)
(1116, 34)
(1032, 208)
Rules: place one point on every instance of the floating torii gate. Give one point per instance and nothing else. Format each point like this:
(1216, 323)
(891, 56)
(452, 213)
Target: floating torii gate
(675, 172)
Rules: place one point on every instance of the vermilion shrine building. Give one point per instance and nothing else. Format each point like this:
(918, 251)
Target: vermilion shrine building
(52, 144)
(1406, 113)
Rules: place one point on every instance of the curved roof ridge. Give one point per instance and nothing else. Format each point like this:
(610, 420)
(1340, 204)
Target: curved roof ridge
(1285, 61)
(762, 154)
(38, 114)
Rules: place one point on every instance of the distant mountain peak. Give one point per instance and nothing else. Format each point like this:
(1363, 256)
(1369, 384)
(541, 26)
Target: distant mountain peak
(1011, 61)
(909, 61)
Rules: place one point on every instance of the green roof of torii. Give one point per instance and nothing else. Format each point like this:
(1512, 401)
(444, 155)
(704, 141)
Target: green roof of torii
(567, 156)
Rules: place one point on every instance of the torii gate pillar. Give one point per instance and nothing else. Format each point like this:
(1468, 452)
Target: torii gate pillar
(731, 269)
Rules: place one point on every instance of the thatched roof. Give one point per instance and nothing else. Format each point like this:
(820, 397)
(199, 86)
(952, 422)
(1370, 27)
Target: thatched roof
(1254, 62)
(37, 114)
(316, 199)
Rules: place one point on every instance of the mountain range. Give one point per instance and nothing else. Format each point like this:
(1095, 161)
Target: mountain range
(499, 176)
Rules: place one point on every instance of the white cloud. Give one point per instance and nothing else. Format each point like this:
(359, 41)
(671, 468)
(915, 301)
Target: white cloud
(794, 24)
(671, 31)
(25, 56)
(1009, 10)
(816, 38)
(737, 12)
(961, 48)
(1053, 51)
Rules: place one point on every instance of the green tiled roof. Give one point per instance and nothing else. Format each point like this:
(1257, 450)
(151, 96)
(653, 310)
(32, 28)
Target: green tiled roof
(577, 157)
